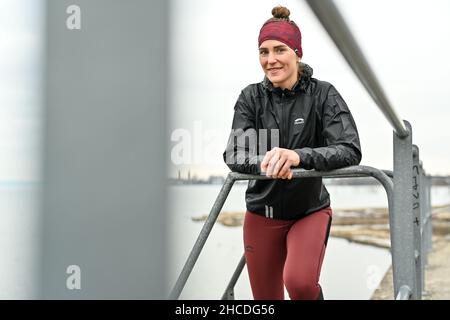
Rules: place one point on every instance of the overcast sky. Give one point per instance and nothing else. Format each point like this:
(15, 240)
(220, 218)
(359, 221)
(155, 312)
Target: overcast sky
(214, 56)
(20, 92)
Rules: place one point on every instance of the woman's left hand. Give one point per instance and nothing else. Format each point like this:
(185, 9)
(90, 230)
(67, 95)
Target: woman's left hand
(277, 163)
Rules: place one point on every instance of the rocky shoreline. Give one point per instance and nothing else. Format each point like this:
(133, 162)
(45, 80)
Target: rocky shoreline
(369, 226)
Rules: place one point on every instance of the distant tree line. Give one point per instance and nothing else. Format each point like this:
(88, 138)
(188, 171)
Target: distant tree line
(360, 181)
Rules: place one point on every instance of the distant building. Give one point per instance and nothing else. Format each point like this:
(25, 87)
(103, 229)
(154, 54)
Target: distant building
(362, 181)
(216, 179)
(440, 180)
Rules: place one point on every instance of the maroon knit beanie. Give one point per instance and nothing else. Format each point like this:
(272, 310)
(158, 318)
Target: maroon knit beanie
(282, 29)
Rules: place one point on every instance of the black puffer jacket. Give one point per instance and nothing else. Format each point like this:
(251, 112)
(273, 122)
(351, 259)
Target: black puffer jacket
(313, 120)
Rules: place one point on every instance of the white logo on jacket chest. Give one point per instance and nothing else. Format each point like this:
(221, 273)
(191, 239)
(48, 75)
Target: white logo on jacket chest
(299, 121)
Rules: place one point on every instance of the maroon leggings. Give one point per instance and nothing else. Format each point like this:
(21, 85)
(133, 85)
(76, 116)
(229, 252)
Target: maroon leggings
(289, 253)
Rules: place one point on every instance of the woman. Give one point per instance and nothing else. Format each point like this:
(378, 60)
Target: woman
(309, 126)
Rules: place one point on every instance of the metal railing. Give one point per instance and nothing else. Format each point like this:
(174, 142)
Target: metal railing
(408, 191)
(331, 19)
(419, 249)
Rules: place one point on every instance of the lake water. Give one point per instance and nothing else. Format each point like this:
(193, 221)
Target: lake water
(349, 271)
(19, 239)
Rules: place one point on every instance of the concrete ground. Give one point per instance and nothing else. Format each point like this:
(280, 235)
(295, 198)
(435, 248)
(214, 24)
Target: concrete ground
(437, 275)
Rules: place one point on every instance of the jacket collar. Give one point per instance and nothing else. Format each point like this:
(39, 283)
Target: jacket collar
(301, 84)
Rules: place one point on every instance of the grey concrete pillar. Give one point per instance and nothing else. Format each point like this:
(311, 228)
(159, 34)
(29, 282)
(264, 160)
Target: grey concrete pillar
(104, 164)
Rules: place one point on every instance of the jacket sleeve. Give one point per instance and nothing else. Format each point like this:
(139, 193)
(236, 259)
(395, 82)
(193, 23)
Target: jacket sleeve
(341, 141)
(240, 154)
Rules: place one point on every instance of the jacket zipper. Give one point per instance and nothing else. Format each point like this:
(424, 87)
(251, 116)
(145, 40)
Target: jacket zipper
(283, 138)
(283, 122)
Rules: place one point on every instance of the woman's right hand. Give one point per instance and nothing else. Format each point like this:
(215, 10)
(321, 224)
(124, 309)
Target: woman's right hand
(277, 163)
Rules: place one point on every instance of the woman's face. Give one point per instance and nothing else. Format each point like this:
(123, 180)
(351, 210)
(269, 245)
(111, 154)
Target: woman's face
(279, 63)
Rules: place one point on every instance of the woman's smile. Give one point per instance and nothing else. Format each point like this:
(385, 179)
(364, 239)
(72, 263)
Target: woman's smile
(274, 71)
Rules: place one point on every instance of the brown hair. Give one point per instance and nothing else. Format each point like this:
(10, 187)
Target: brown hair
(280, 13)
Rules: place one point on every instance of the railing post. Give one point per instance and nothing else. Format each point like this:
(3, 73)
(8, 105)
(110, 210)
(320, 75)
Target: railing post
(402, 230)
(204, 233)
(429, 217)
(426, 228)
(229, 291)
(404, 293)
(418, 213)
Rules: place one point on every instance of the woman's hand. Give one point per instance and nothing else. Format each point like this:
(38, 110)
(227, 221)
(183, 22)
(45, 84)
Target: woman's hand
(277, 163)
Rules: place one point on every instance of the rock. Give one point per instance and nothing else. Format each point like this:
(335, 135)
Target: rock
(368, 226)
